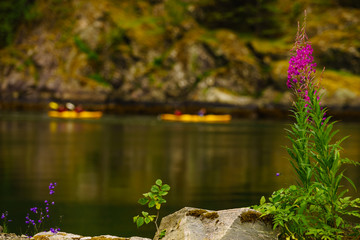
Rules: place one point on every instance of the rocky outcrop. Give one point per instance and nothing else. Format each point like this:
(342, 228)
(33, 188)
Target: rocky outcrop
(194, 223)
(89, 51)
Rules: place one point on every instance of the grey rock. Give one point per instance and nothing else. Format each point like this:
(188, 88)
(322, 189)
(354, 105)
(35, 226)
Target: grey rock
(200, 224)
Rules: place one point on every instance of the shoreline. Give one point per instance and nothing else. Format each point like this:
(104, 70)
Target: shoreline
(250, 111)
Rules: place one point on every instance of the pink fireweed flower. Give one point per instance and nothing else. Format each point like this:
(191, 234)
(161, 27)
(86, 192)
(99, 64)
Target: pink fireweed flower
(301, 68)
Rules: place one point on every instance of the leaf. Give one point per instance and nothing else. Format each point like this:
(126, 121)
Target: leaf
(140, 221)
(155, 189)
(151, 195)
(158, 182)
(135, 218)
(161, 193)
(158, 206)
(151, 203)
(165, 187)
(143, 201)
(147, 220)
(351, 182)
(162, 234)
(339, 221)
(262, 200)
(145, 214)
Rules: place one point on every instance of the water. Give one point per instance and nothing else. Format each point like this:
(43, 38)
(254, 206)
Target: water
(103, 166)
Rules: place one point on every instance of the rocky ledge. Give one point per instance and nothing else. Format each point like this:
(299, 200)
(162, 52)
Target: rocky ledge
(189, 224)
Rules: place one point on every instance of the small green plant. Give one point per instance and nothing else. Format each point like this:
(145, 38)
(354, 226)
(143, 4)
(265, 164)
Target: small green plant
(317, 207)
(38, 217)
(154, 198)
(5, 221)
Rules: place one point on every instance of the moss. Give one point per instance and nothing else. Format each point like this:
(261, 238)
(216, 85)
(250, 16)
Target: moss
(333, 80)
(211, 215)
(253, 216)
(203, 214)
(42, 237)
(196, 212)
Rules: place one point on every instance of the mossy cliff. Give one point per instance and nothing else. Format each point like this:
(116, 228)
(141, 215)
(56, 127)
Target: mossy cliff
(168, 51)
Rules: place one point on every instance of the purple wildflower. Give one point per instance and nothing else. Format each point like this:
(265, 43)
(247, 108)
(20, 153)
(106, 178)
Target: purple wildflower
(40, 214)
(51, 188)
(54, 230)
(34, 209)
(4, 216)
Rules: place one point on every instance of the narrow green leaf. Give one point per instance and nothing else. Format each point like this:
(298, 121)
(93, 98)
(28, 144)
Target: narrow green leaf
(262, 200)
(351, 182)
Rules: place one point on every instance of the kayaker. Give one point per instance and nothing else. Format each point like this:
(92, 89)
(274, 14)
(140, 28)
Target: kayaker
(177, 112)
(202, 112)
(78, 108)
(61, 108)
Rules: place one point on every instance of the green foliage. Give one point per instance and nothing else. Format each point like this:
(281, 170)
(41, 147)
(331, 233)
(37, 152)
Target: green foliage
(259, 16)
(99, 79)
(83, 47)
(176, 11)
(154, 198)
(317, 207)
(12, 13)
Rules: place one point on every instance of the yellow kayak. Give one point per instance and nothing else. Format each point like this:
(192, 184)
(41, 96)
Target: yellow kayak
(196, 118)
(74, 114)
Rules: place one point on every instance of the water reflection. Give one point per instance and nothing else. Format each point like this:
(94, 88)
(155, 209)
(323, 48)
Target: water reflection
(103, 166)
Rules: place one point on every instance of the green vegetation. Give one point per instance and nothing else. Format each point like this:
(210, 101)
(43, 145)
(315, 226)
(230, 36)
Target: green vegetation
(115, 44)
(316, 208)
(83, 47)
(259, 16)
(154, 198)
(12, 13)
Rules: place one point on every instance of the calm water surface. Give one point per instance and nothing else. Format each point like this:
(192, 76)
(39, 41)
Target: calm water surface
(102, 167)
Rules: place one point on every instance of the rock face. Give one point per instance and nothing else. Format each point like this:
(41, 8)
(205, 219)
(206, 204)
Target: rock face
(106, 52)
(192, 223)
